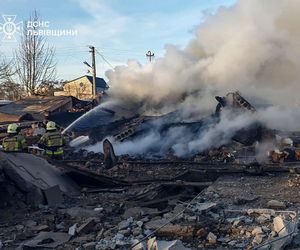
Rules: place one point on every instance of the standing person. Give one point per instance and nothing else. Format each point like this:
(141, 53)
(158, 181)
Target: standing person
(288, 149)
(14, 142)
(39, 130)
(52, 141)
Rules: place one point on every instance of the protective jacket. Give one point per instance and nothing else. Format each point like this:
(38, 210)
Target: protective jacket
(52, 142)
(16, 143)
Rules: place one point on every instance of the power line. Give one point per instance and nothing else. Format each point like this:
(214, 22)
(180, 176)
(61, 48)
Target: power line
(108, 49)
(70, 52)
(104, 59)
(117, 49)
(66, 51)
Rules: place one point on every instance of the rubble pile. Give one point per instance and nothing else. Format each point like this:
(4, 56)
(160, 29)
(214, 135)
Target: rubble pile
(128, 170)
(219, 198)
(71, 224)
(14, 198)
(232, 212)
(103, 221)
(294, 181)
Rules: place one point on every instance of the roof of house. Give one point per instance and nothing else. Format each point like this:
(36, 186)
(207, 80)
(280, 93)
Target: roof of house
(35, 106)
(6, 118)
(100, 82)
(4, 102)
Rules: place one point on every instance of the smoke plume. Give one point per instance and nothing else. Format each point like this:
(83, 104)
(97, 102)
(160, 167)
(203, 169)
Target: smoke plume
(253, 47)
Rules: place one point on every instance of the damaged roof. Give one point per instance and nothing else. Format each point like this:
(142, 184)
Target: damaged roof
(32, 108)
(104, 115)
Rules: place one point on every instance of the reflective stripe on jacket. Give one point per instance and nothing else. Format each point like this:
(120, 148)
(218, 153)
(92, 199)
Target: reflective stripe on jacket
(15, 143)
(53, 143)
(58, 151)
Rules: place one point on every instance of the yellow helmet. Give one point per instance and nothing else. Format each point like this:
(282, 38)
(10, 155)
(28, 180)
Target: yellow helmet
(287, 141)
(12, 128)
(51, 126)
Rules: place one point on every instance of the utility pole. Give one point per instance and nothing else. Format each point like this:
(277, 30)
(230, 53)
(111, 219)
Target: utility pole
(150, 55)
(94, 70)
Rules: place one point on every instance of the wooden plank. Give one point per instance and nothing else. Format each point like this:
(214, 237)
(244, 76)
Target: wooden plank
(188, 184)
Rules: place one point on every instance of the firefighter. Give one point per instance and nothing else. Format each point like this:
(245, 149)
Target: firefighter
(13, 142)
(288, 149)
(52, 141)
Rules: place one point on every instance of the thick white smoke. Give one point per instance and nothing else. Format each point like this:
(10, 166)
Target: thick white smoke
(253, 47)
(184, 140)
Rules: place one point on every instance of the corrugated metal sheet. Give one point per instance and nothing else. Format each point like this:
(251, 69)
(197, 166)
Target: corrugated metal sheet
(34, 108)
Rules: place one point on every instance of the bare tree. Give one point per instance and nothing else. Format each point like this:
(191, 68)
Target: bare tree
(48, 88)
(8, 88)
(34, 60)
(5, 70)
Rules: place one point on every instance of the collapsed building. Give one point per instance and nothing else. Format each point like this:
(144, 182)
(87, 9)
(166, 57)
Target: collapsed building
(220, 197)
(122, 125)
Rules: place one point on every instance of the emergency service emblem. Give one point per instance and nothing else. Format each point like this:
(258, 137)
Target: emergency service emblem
(10, 28)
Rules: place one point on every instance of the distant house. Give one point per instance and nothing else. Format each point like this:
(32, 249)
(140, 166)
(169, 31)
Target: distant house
(82, 87)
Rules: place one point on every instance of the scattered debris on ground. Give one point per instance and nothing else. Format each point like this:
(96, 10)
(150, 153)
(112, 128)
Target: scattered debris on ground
(220, 198)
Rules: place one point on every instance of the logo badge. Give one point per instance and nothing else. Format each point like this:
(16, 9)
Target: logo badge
(10, 28)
